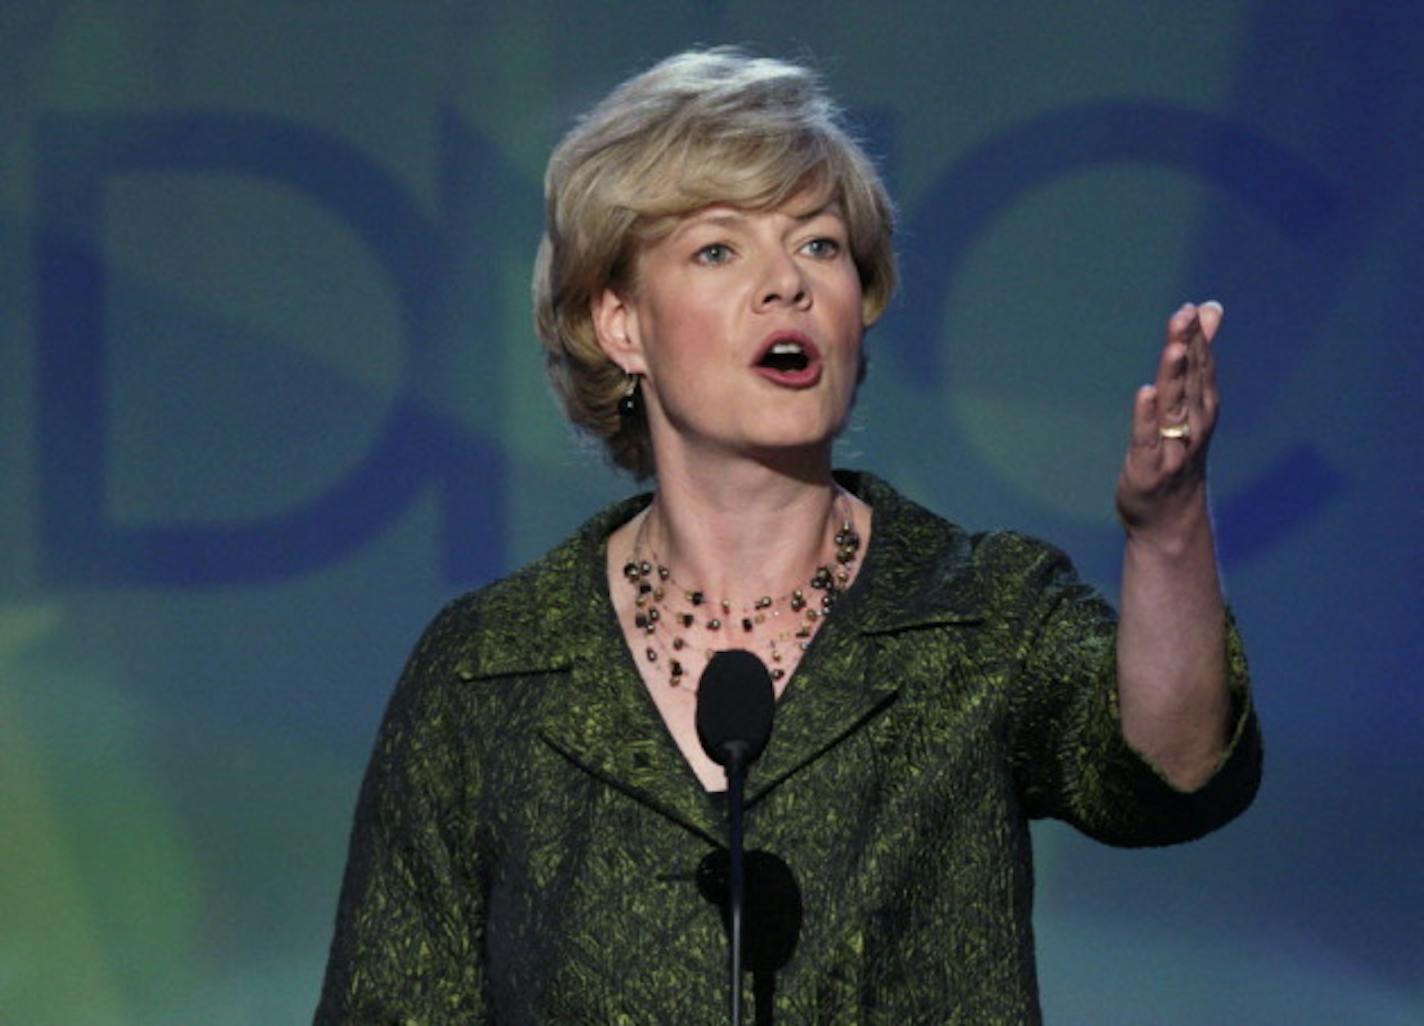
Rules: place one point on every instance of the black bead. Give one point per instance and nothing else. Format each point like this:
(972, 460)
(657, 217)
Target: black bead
(628, 403)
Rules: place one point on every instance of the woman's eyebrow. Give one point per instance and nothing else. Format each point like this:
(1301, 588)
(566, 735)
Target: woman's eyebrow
(831, 208)
(733, 218)
(718, 219)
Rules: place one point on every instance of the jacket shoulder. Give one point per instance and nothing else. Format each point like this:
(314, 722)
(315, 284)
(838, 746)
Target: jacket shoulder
(524, 622)
(929, 569)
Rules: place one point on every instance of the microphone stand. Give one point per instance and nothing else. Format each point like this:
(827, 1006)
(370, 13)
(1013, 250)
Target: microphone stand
(735, 702)
(736, 879)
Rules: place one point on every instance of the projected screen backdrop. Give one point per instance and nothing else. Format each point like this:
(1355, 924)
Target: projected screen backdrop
(269, 396)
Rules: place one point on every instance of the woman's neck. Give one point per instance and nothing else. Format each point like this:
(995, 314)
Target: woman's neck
(751, 530)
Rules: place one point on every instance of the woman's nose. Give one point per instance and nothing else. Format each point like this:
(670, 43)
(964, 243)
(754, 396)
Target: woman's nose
(783, 284)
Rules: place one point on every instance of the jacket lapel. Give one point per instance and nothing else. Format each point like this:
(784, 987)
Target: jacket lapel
(603, 722)
(911, 580)
(596, 714)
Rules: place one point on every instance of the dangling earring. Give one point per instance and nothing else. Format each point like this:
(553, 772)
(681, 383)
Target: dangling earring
(628, 402)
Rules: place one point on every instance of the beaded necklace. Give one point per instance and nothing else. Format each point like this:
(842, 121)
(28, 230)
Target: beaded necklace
(671, 617)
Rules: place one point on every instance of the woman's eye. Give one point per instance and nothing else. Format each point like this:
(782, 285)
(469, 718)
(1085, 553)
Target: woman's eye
(823, 248)
(716, 253)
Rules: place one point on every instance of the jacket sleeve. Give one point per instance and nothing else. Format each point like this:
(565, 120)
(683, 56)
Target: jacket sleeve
(408, 943)
(1070, 758)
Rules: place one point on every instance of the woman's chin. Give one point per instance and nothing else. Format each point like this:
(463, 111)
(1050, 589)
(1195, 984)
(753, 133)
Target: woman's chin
(793, 455)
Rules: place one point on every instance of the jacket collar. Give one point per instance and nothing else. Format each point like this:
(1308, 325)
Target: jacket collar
(919, 570)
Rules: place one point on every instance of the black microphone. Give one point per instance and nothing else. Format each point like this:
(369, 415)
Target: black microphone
(735, 701)
(734, 706)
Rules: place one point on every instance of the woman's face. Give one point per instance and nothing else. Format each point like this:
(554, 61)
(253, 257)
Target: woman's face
(746, 327)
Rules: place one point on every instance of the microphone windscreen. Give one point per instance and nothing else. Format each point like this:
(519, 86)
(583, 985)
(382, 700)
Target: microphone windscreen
(735, 701)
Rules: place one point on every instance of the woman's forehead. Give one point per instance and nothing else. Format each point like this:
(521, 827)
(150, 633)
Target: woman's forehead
(803, 206)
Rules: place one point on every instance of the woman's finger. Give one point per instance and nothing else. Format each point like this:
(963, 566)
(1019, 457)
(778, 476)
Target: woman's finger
(1144, 419)
(1211, 314)
(1171, 381)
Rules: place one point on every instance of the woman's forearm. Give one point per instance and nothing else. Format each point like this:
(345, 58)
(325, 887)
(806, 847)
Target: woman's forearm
(1171, 649)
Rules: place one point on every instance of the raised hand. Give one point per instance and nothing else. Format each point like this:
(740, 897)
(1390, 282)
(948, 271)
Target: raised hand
(1163, 477)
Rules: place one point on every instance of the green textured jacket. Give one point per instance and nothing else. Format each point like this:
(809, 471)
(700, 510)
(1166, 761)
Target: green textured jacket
(531, 848)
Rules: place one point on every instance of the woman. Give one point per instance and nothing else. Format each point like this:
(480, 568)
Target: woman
(539, 824)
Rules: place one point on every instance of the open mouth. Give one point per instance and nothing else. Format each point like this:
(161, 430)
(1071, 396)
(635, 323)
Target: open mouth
(785, 357)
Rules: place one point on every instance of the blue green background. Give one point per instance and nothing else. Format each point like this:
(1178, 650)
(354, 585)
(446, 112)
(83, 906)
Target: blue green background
(269, 395)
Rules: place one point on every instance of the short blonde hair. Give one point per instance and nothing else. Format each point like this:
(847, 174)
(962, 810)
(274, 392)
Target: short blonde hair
(702, 127)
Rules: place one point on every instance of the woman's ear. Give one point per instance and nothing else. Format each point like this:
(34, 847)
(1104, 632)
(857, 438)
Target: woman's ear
(615, 323)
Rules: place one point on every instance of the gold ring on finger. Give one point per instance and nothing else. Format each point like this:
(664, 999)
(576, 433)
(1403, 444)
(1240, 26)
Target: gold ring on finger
(1180, 431)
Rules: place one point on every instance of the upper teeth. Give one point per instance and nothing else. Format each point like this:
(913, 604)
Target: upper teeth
(786, 348)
